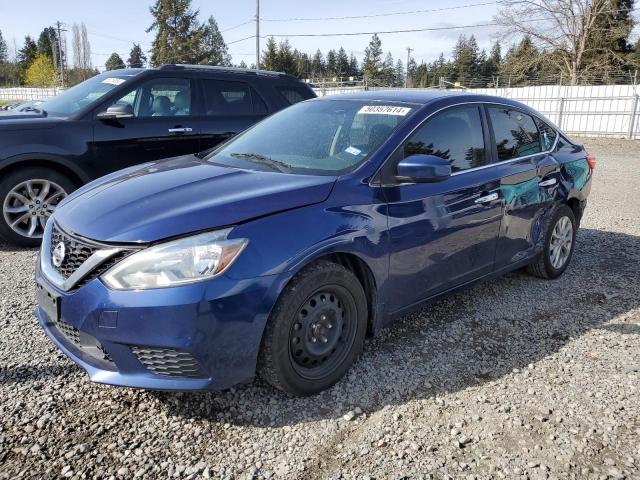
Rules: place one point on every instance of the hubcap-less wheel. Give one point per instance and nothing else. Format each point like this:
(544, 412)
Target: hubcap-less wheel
(561, 242)
(29, 204)
(323, 332)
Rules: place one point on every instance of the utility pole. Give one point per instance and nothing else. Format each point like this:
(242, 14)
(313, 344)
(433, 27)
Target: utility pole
(257, 33)
(60, 51)
(406, 77)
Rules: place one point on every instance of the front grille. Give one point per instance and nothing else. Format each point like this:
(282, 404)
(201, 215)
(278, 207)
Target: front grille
(69, 331)
(77, 252)
(168, 362)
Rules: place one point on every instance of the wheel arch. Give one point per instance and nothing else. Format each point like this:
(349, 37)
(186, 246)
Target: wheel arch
(75, 175)
(357, 265)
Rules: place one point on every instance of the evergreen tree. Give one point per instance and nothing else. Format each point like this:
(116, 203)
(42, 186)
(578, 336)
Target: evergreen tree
(114, 62)
(269, 57)
(388, 70)
(412, 68)
(45, 46)
(317, 65)
(303, 64)
(372, 64)
(3, 50)
(27, 54)
(286, 61)
(137, 58)
(354, 67)
(242, 64)
(522, 61)
(399, 74)
(465, 58)
(332, 63)
(342, 63)
(179, 34)
(216, 51)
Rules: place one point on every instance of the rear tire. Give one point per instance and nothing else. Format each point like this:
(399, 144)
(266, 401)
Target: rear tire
(28, 196)
(559, 244)
(316, 330)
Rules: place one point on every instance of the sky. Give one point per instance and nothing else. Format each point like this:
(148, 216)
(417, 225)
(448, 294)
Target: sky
(114, 25)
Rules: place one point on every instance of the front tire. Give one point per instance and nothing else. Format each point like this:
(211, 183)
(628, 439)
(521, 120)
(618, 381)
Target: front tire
(316, 330)
(28, 197)
(559, 244)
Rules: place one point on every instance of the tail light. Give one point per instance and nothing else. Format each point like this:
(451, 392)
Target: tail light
(591, 160)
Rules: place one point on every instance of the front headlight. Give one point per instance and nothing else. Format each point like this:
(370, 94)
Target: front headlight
(179, 262)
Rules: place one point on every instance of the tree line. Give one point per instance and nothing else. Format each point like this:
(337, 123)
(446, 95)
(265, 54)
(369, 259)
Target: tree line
(588, 39)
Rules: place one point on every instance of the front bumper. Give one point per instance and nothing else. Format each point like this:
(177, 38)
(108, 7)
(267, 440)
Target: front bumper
(203, 336)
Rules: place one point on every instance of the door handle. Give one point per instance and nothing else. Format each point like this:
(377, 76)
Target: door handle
(180, 130)
(487, 198)
(550, 182)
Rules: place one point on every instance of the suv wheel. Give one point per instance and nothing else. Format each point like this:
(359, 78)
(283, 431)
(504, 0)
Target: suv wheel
(559, 243)
(316, 330)
(28, 198)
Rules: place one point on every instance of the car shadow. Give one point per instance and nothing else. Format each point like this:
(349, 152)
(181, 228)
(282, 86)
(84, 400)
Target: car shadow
(39, 373)
(463, 340)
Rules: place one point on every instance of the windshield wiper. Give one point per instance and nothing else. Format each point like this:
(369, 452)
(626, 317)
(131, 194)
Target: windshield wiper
(34, 109)
(257, 158)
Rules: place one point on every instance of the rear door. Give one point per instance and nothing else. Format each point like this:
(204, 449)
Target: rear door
(530, 176)
(444, 234)
(228, 108)
(163, 124)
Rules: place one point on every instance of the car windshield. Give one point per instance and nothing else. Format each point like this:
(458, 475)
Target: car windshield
(319, 137)
(78, 97)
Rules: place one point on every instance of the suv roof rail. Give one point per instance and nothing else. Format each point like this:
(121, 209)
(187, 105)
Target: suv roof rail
(180, 66)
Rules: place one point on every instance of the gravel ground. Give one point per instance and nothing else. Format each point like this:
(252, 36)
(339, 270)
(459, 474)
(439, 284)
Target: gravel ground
(516, 378)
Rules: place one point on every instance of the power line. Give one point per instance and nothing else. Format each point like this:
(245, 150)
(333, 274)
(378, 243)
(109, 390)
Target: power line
(237, 26)
(315, 19)
(242, 39)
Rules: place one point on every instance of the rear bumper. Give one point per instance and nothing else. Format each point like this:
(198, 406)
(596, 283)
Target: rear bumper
(203, 336)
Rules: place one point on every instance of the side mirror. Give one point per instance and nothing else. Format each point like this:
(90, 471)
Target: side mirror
(115, 112)
(420, 168)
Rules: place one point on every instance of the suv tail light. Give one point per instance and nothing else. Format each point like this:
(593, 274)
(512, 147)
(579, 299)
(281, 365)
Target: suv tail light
(591, 160)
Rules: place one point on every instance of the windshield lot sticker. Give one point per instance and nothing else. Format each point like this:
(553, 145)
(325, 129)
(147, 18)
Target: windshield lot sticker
(353, 150)
(383, 110)
(113, 81)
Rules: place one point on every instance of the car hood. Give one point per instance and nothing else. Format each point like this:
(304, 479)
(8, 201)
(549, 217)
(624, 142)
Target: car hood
(10, 120)
(182, 195)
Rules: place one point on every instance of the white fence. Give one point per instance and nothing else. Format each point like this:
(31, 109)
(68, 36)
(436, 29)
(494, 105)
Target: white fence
(598, 110)
(24, 94)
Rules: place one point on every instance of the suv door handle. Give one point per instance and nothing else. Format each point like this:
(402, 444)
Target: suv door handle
(181, 130)
(487, 198)
(550, 182)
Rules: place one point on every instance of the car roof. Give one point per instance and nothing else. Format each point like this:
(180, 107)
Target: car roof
(423, 97)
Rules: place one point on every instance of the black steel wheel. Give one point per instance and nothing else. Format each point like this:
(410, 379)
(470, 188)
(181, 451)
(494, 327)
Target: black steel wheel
(316, 330)
(323, 332)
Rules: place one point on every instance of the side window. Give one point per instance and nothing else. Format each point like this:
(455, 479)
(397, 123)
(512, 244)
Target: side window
(294, 94)
(547, 134)
(515, 132)
(455, 135)
(225, 98)
(160, 97)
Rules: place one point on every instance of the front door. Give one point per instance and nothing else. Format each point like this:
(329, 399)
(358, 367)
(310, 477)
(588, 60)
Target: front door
(163, 124)
(444, 234)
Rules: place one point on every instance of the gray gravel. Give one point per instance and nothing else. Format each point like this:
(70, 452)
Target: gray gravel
(517, 378)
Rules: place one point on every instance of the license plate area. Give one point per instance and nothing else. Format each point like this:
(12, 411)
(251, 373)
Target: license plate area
(49, 302)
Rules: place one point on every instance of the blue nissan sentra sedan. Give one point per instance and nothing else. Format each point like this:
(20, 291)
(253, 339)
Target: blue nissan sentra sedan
(281, 250)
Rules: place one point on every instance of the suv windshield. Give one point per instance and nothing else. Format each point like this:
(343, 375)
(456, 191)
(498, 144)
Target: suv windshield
(317, 137)
(78, 97)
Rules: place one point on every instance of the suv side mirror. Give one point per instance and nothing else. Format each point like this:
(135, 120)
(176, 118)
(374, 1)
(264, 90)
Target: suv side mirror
(420, 168)
(116, 111)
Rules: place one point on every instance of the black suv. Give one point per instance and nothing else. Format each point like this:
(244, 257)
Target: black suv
(121, 118)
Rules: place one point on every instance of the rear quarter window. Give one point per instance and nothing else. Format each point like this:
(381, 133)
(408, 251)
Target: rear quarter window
(294, 94)
(547, 134)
